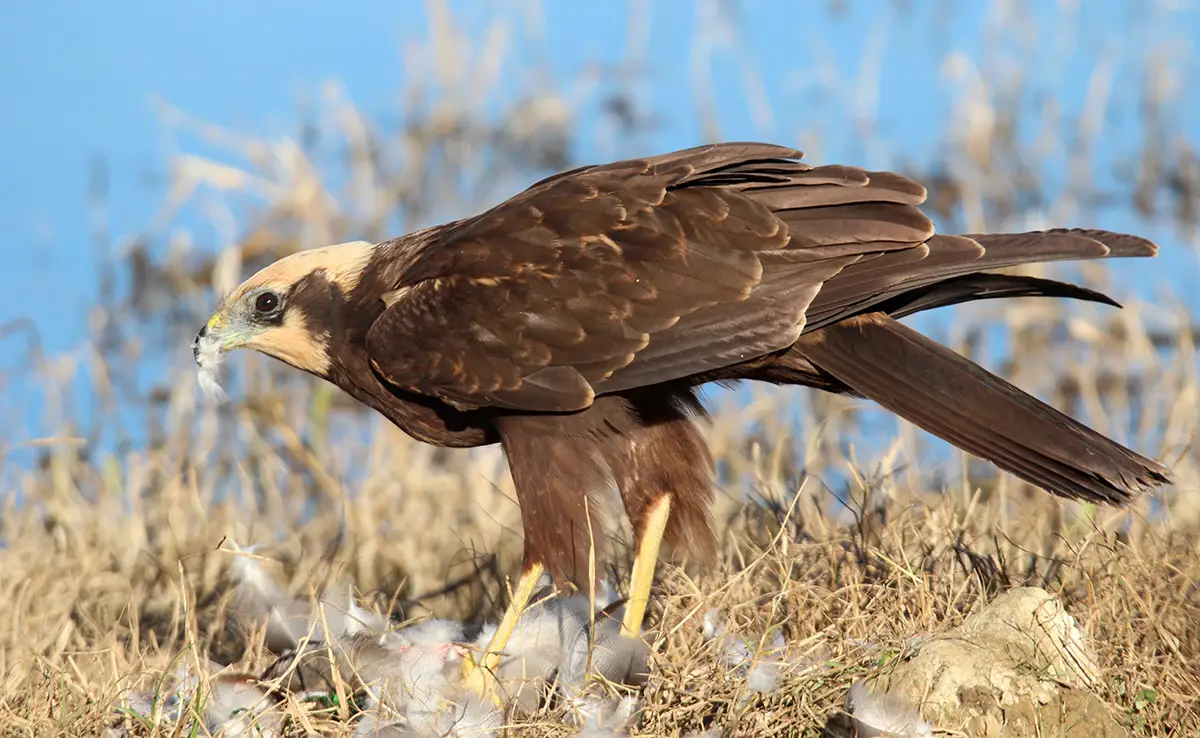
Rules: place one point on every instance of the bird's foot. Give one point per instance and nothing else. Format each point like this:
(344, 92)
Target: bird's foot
(480, 680)
(479, 670)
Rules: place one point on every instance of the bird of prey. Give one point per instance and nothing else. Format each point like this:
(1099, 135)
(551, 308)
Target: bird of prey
(574, 323)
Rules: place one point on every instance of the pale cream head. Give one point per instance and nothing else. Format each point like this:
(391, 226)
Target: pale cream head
(260, 313)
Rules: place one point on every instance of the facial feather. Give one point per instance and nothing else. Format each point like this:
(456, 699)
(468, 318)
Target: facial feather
(342, 264)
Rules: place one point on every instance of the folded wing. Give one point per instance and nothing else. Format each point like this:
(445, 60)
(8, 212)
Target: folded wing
(622, 276)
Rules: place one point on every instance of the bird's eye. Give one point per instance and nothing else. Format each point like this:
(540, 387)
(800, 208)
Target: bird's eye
(266, 302)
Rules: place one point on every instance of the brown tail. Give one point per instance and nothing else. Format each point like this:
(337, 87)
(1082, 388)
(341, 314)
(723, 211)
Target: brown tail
(961, 402)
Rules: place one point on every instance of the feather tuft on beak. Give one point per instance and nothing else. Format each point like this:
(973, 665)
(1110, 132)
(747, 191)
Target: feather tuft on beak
(207, 351)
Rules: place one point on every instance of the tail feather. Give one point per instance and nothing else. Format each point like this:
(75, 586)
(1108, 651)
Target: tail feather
(984, 286)
(888, 277)
(1121, 245)
(955, 399)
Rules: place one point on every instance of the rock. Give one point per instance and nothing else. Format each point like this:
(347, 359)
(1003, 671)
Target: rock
(1018, 667)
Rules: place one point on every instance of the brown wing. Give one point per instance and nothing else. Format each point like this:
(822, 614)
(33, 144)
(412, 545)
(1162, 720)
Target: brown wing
(638, 272)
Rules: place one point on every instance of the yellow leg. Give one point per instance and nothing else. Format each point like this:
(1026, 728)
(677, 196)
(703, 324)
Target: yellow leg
(480, 675)
(643, 566)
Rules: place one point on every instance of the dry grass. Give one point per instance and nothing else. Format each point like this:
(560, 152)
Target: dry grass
(113, 530)
(104, 598)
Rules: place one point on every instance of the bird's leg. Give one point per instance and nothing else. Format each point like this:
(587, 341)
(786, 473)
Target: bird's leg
(480, 675)
(644, 563)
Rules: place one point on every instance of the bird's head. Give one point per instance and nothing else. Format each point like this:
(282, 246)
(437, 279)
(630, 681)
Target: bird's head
(284, 311)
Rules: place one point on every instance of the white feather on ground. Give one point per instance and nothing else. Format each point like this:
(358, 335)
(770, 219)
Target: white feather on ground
(541, 643)
(411, 676)
(413, 673)
(233, 704)
(606, 718)
(369, 725)
(883, 715)
(759, 662)
(605, 653)
(553, 641)
(256, 596)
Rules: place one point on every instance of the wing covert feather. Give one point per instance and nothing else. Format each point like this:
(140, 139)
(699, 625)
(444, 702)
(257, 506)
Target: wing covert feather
(642, 271)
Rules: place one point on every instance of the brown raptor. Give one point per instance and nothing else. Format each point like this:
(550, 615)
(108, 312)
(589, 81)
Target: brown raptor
(574, 322)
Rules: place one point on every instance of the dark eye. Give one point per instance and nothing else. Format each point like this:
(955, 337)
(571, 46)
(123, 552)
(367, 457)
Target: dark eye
(266, 302)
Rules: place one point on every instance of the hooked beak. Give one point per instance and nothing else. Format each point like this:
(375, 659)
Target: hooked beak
(216, 337)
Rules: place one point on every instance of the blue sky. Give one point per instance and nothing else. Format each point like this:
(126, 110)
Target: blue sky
(77, 80)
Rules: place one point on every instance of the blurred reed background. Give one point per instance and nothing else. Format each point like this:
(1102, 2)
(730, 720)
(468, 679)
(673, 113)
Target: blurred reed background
(121, 484)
